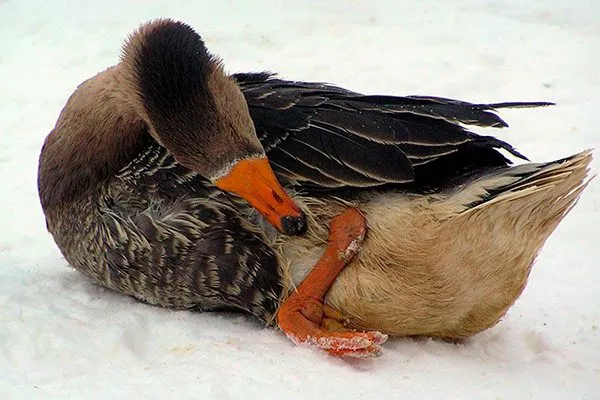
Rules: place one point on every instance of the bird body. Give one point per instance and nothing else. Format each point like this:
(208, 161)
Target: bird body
(155, 183)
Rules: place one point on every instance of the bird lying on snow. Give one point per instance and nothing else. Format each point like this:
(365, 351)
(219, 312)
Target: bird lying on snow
(168, 180)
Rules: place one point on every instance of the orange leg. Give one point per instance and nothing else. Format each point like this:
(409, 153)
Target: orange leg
(305, 319)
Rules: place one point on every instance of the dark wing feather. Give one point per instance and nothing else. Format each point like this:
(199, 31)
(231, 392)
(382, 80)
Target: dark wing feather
(320, 135)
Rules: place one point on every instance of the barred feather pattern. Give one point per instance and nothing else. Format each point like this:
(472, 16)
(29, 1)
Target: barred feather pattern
(160, 233)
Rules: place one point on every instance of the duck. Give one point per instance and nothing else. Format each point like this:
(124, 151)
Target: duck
(338, 217)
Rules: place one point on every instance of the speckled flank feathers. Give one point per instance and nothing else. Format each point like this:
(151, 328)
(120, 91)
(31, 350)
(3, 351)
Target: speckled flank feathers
(157, 232)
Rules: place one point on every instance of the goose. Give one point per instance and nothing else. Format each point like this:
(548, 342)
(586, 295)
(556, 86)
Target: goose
(339, 217)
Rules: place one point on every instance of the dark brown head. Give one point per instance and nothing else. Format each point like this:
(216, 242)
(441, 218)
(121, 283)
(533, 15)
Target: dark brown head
(200, 115)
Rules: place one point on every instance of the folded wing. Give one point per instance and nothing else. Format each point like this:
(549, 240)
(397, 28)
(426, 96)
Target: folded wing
(322, 136)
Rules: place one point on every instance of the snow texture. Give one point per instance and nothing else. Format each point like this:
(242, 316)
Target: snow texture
(62, 337)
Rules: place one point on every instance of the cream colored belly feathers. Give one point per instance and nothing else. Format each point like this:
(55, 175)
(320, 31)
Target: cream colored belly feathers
(436, 265)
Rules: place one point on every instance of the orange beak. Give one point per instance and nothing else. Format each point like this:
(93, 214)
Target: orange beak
(255, 181)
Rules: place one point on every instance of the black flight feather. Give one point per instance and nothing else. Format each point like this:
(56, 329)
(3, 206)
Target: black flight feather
(321, 135)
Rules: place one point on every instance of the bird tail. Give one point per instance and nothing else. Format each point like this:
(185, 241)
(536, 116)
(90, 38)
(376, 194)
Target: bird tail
(499, 223)
(555, 186)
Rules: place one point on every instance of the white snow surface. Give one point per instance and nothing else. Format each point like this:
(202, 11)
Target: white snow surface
(62, 337)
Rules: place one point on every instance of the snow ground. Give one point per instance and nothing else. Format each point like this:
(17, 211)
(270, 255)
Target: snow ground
(62, 337)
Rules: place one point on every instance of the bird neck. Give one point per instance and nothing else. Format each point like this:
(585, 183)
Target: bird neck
(99, 131)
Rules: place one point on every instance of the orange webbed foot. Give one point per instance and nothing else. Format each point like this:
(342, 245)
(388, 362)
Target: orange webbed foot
(304, 322)
(304, 317)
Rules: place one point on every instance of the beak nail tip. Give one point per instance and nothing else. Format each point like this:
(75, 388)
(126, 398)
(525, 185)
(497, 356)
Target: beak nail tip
(292, 225)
